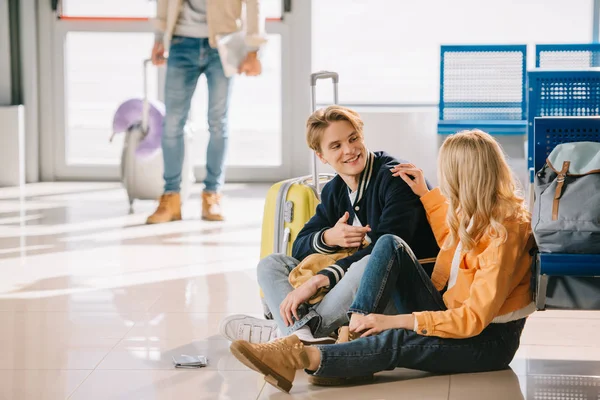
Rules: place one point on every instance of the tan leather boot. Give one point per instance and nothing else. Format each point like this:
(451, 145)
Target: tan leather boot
(277, 360)
(344, 336)
(169, 209)
(211, 207)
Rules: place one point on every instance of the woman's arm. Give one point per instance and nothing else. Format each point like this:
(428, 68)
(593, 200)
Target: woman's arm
(492, 283)
(436, 205)
(373, 324)
(436, 208)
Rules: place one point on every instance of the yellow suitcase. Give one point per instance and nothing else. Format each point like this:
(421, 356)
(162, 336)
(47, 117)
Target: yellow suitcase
(291, 203)
(288, 207)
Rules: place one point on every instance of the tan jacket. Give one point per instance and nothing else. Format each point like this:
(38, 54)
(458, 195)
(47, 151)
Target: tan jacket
(222, 16)
(311, 266)
(493, 277)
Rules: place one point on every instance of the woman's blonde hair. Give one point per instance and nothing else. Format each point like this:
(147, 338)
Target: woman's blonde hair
(480, 187)
(322, 118)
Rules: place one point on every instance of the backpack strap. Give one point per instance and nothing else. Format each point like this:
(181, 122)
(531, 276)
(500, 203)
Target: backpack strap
(560, 182)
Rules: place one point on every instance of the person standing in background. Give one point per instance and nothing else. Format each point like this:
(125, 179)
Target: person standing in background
(189, 29)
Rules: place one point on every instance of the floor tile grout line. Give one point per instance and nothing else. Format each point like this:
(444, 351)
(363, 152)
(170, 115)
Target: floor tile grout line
(81, 383)
(262, 389)
(103, 358)
(449, 386)
(147, 311)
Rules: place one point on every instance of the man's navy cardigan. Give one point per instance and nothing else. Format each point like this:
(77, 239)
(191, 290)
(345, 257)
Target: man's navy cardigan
(384, 202)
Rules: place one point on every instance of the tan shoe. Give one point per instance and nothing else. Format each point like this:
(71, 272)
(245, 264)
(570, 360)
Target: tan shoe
(169, 209)
(211, 207)
(277, 360)
(344, 336)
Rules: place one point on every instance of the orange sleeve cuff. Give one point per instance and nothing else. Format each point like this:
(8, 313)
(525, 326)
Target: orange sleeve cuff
(432, 198)
(424, 323)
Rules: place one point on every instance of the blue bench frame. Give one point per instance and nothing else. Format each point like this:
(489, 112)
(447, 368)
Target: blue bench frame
(488, 124)
(593, 48)
(548, 132)
(567, 103)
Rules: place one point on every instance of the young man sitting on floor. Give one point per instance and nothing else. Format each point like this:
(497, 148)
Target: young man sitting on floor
(361, 204)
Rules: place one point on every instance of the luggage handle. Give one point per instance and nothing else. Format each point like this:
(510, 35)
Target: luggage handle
(314, 77)
(146, 103)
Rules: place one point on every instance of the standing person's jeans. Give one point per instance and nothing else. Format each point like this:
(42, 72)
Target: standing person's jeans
(188, 59)
(323, 318)
(393, 269)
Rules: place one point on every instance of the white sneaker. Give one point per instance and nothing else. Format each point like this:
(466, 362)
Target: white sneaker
(306, 337)
(243, 327)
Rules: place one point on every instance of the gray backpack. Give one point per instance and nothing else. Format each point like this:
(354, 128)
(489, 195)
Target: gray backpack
(566, 212)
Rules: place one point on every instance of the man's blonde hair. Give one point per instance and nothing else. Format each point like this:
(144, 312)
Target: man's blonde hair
(322, 118)
(480, 187)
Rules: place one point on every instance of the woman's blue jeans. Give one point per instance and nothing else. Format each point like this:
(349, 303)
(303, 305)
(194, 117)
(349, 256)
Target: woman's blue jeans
(394, 272)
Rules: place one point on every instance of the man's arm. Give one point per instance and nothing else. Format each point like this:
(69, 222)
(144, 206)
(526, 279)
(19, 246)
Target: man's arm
(310, 239)
(255, 25)
(401, 214)
(255, 38)
(160, 21)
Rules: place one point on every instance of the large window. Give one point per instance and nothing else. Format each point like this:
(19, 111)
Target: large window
(102, 69)
(138, 8)
(387, 51)
(255, 114)
(108, 8)
(97, 63)
(98, 81)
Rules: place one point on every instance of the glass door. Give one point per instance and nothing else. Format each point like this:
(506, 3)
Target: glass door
(97, 61)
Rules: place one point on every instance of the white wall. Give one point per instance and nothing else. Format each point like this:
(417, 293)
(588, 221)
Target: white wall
(411, 134)
(408, 134)
(5, 79)
(29, 76)
(12, 146)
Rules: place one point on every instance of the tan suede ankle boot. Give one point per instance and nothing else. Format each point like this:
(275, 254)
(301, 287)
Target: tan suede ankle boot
(169, 209)
(211, 207)
(344, 336)
(277, 360)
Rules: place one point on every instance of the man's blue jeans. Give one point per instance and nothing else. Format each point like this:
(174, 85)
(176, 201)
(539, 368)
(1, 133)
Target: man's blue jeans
(323, 318)
(188, 59)
(394, 272)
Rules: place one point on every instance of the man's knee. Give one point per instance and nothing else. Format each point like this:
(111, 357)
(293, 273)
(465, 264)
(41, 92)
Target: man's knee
(271, 264)
(357, 269)
(173, 129)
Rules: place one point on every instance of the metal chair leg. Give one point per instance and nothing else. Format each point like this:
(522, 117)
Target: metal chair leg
(540, 298)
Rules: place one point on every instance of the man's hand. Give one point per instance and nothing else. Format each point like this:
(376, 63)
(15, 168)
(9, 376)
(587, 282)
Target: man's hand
(158, 53)
(251, 65)
(345, 235)
(289, 305)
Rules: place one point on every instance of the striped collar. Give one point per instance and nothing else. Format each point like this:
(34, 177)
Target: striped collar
(365, 178)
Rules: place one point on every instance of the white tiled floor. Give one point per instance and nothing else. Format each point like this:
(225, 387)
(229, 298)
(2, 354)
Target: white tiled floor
(93, 304)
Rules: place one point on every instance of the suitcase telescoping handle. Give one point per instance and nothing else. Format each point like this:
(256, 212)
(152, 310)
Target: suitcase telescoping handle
(146, 104)
(314, 77)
